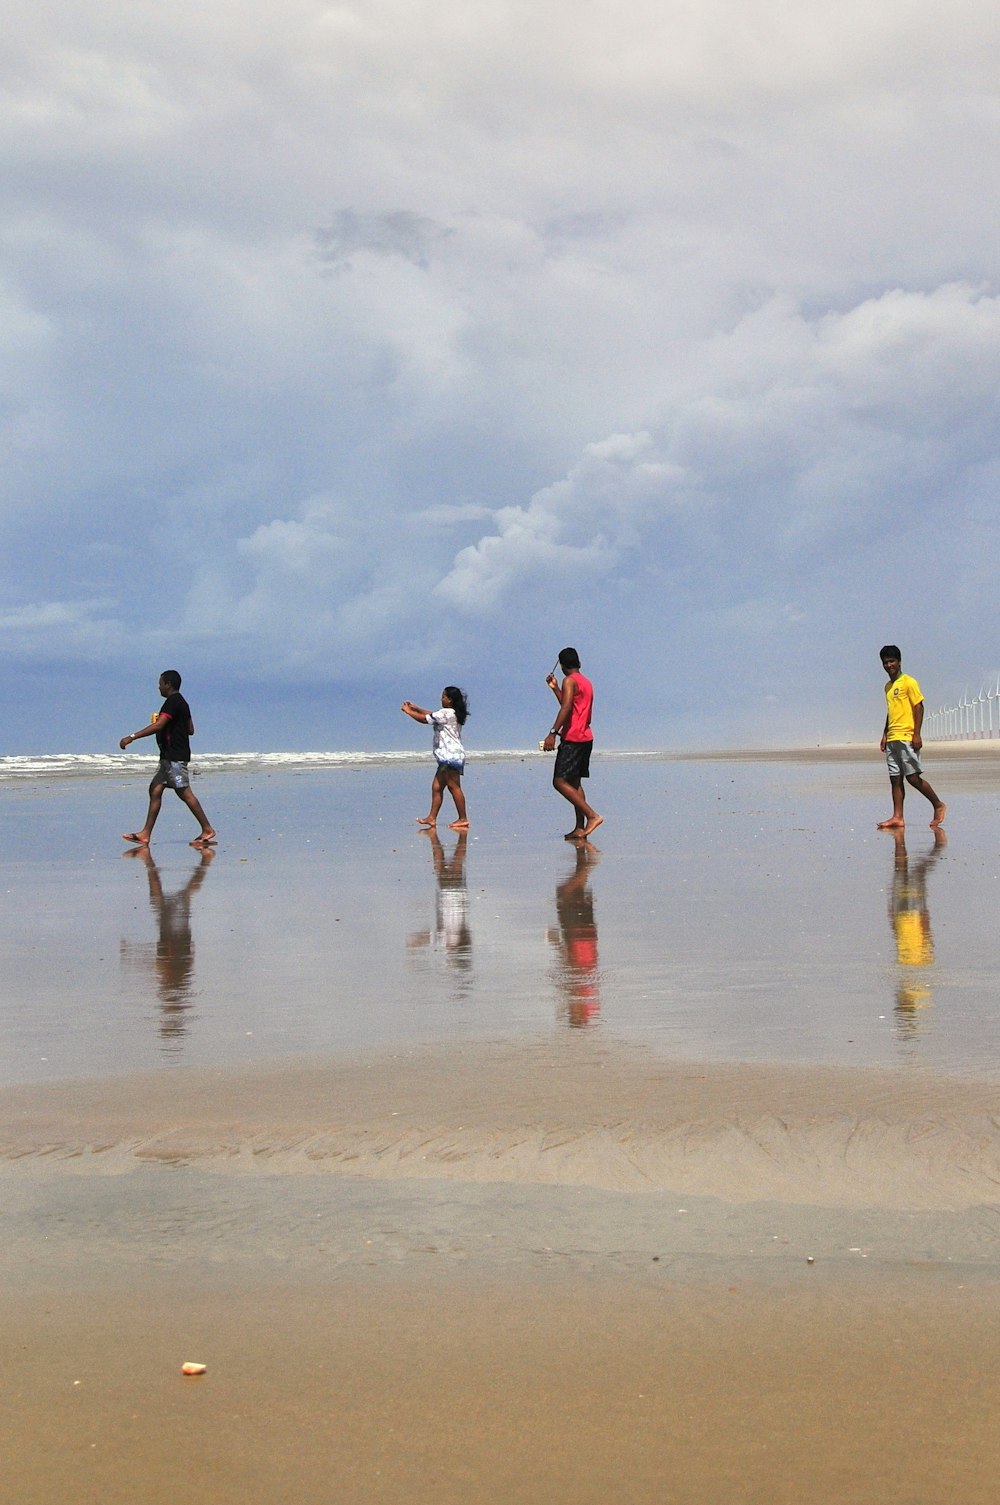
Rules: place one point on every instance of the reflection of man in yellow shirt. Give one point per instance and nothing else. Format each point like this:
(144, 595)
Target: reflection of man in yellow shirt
(911, 924)
(901, 741)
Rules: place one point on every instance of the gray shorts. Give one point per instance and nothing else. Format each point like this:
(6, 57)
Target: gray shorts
(901, 760)
(174, 775)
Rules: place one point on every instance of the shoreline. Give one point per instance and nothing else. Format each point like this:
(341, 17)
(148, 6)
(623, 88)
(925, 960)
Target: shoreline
(42, 768)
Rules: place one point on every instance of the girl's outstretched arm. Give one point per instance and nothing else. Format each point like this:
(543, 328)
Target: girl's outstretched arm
(416, 711)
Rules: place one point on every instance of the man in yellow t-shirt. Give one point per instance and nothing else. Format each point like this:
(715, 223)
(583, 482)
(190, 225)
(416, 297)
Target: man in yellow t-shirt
(901, 740)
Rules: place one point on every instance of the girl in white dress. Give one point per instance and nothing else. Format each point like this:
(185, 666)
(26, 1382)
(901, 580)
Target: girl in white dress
(448, 749)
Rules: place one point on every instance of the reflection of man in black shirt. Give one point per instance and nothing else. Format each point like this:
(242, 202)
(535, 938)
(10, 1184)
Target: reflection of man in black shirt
(173, 728)
(172, 957)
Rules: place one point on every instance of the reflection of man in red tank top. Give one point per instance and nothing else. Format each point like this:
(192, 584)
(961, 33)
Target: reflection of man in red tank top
(572, 724)
(577, 940)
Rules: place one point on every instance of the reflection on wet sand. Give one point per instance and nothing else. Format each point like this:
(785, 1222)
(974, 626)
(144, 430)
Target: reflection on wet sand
(911, 925)
(451, 934)
(170, 958)
(576, 937)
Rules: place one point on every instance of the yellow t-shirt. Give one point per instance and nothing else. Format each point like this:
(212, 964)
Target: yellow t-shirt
(901, 695)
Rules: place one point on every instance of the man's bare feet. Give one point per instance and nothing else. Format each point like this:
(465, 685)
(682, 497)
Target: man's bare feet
(575, 835)
(204, 840)
(895, 824)
(136, 836)
(592, 826)
(426, 820)
(938, 820)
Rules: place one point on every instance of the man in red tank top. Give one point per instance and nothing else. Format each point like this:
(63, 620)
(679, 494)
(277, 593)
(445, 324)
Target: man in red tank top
(572, 725)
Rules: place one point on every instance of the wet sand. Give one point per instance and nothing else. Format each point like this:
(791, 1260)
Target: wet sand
(570, 1110)
(550, 1262)
(536, 1271)
(466, 1389)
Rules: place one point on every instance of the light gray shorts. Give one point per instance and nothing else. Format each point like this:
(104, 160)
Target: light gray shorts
(174, 775)
(901, 760)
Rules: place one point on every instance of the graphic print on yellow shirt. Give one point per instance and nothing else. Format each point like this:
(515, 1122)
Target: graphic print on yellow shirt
(901, 695)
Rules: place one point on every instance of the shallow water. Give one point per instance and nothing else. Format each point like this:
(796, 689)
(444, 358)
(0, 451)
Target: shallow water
(726, 911)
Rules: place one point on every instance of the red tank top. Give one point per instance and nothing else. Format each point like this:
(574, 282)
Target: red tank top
(577, 728)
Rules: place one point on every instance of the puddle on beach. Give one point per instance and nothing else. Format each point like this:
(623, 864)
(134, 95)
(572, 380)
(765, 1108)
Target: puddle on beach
(726, 911)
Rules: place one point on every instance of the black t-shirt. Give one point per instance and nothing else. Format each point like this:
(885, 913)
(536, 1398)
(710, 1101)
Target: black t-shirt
(173, 740)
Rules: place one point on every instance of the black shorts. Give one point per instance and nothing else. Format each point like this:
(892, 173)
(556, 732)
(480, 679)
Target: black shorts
(573, 762)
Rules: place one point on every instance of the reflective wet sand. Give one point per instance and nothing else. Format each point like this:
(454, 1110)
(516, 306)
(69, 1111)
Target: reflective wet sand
(732, 911)
(490, 1169)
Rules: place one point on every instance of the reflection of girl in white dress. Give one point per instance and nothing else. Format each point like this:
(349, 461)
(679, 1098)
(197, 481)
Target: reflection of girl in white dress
(451, 934)
(448, 750)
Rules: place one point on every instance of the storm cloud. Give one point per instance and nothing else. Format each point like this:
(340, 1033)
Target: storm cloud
(415, 341)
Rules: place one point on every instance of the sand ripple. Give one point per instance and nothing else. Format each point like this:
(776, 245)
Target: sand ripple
(609, 1117)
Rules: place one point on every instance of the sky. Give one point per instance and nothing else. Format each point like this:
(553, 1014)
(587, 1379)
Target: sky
(351, 350)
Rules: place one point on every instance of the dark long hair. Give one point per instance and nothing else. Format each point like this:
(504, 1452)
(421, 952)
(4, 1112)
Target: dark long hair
(459, 704)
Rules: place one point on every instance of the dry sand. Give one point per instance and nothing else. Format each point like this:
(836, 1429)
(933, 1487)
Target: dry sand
(555, 1271)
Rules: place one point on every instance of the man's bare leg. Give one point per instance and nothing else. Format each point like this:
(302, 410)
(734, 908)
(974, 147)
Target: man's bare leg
(207, 831)
(587, 818)
(141, 837)
(896, 822)
(921, 785)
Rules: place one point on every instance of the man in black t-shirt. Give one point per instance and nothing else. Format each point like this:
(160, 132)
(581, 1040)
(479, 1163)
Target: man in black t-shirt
(173, 728)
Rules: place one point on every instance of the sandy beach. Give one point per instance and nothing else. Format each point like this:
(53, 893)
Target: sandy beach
(520, 1272)
(588, 1239)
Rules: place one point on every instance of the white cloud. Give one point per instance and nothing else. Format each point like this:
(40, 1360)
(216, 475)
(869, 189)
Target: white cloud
(43, 616)
(41, 629)
(368, 328)
(578, 528)
(806, 430)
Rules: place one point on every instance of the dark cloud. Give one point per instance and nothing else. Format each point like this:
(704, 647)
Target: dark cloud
(412, 237)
